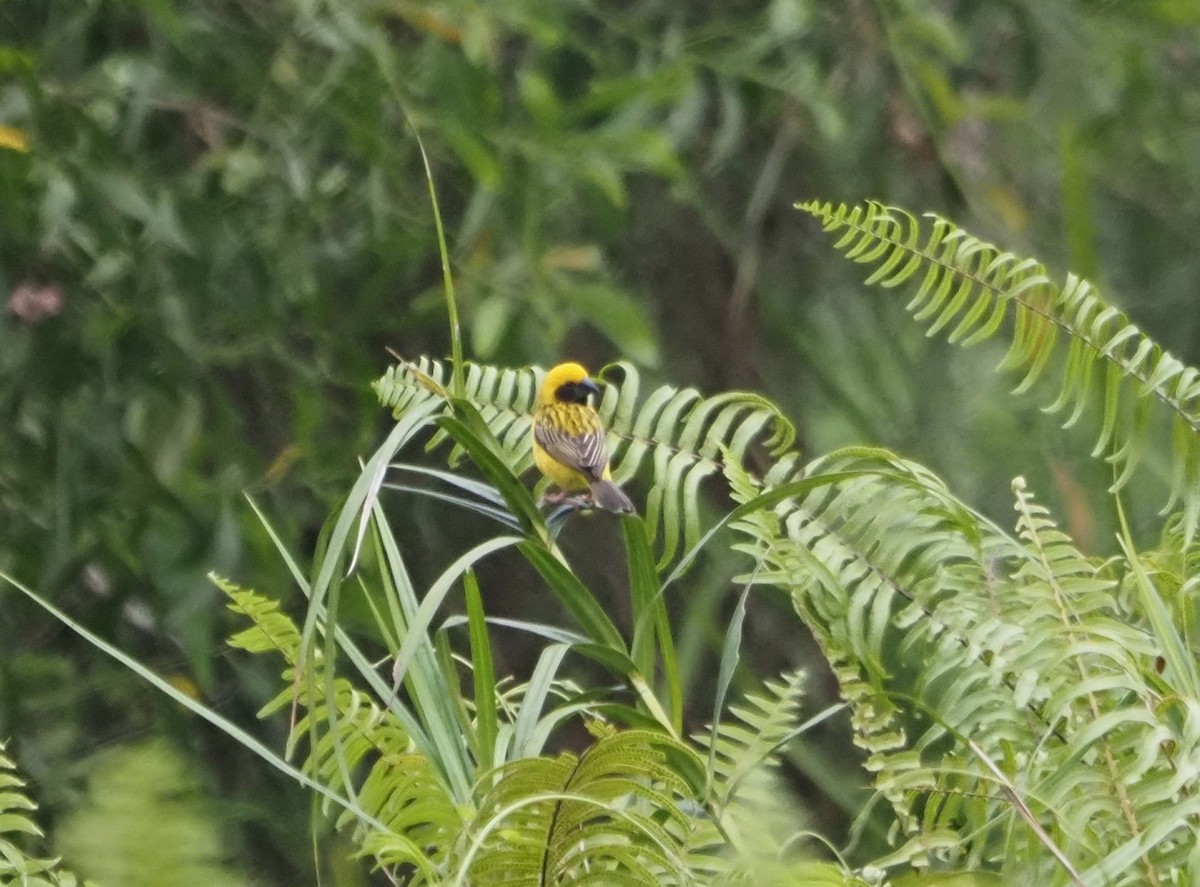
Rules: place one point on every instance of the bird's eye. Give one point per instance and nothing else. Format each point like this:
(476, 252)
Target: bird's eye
(572, 392)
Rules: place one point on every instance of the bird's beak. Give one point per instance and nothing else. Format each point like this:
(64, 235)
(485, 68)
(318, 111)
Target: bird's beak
(590, 386)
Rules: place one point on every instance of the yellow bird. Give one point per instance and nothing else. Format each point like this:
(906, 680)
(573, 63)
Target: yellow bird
(569, 445)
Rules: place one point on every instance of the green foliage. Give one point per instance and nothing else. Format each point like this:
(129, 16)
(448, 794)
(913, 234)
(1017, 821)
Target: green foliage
(345, 729)
(1013, 694)
(962, 649)
(638, 806)
(17, 867)
(763, 725)
(612, 815)
(227, 207)
(1026, 709)
(616, 812)
(144, 821)
(757, 813)
(970, 288)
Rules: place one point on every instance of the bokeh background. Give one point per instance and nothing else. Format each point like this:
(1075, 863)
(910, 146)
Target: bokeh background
(214, 218)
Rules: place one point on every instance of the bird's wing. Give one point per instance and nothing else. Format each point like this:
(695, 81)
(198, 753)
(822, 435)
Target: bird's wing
(586, 452)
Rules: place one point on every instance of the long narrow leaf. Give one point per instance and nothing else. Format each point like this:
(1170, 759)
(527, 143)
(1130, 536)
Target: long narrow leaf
(483, 675)
(575, 595)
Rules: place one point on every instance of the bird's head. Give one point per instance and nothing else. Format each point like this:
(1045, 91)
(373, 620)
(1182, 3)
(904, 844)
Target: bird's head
(567, 383)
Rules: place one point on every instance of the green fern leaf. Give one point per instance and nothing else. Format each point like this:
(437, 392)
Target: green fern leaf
(349, 733)
(272, 631)
(597, 818)
(738, 748)
(16, 866)
(971, 656)
(976, 287)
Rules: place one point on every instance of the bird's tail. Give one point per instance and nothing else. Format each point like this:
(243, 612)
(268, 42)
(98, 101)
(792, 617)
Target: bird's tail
(610, 497)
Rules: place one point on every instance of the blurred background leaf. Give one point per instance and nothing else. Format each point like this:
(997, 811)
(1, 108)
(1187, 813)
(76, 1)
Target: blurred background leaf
(143, 822)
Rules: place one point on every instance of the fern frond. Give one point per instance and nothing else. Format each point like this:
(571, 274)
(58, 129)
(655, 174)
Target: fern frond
(272, 631)
(967, 652)
(16, 866)
(679, 432)
(600, 818)
(741, 746)
(350, 733)
(969, 288)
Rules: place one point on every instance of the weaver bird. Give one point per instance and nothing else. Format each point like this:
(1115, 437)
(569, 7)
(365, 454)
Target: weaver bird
(569, 446)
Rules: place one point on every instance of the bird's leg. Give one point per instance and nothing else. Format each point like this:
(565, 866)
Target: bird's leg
(562, 497)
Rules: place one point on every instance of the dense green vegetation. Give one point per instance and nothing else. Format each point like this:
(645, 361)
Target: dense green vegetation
(214, 218)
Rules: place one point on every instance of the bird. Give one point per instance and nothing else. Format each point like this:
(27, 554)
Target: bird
(569, 445)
